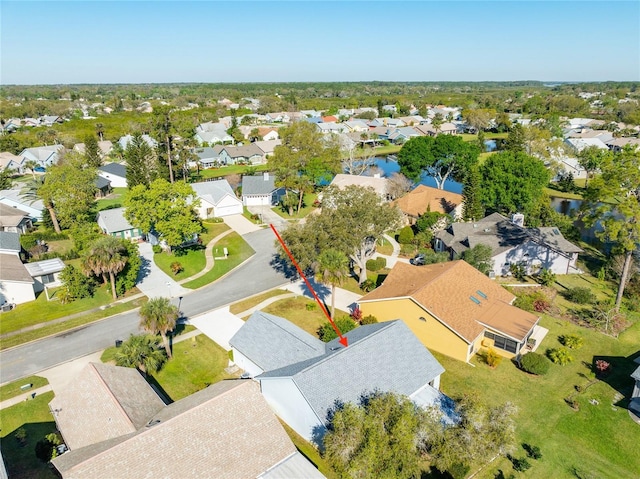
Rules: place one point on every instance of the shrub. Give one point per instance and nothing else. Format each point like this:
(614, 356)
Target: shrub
(326, 332)
(579, 295)
(492, 358)
(572, 341)
(520, 465)
(518, 271)
(532, 451)
(20, 435)
(156, 248)
(356, 314)
(423, 239)
(176, 267)
(602, 366)
(368, 285)
(458, 470)
(76, 284)
(535, 301)
(546, 277)
(406, 235)
(369, 319)
(311, 306)
(376, 264)
(407, 249)
(559, 356)
(535, 363)
(46, 448)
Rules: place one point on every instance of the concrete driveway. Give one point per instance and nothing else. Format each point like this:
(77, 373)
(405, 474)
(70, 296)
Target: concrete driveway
(268, 216)
(240, 224)
(152, 281)
(219, 325)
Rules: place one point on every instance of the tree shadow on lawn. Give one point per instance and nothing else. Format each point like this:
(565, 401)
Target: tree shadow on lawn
(20, 458)
(618, 376)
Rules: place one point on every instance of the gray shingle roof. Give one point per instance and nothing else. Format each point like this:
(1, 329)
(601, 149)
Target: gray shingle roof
(263, 184)
(12, 269)
(114, 220)
(272, 342)
(389, 358)
(114, 169)
(10, 241)
(500, 234)
(102, 182)
(213, 191)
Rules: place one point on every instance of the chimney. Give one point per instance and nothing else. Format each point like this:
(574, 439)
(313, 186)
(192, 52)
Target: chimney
(518, 219)
(265, 176)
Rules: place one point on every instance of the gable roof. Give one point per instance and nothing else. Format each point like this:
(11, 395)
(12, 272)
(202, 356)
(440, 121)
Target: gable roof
(418, 200)
(10, 216)
(10, 241)
(115, 169)
(114, 220)
(103, 402)
(445, 291)
(378, 184)
(213, 191)
(12, 269)
(262, 184)
(389, 358)
(272, 342)
(500, 235)
(226, 431)
(244, 151)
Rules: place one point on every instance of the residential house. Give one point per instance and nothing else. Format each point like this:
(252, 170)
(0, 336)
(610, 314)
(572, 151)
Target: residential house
(311, 113)
(602, 135)
(634, 403)
(208, 157)
(390, 108)
(617, 144)
(16, 284)
(50, 120)
(268, 133)
(108, 416)
(104, 148)
(388, 122)
(216, 199)
(115, 173)
(213, 133)
(44, 156)
(15, 199)
(278, 117)
(512, 243)
(452, 308)
(45, 273)
(14, 220)
(103, 187)
(579, 144)
(125, 140)
(402, 135)
(248, 154)
(260, 190)
(11, 162)
(329, 119)
(425, 198)
(299, 379)
(268, 148)
(359, 126)
(327, 128)
(10, 243)
(568, 165)
(413, 120)
(113, 222)
(446, 128)
(375, 182)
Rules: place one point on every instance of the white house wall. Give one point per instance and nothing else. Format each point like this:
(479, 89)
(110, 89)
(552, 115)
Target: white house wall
(228, 206)
(289, 404)
(534, 256)
(257, 200)
(16, 292)
(116, 181)
(245, 363)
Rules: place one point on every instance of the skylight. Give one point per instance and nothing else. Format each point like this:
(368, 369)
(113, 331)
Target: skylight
(481, 294)
(475, 300)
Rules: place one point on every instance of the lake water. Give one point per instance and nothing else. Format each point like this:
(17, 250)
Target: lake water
(390, 166)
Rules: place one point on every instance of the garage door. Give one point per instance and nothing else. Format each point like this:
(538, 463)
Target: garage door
(228, 210)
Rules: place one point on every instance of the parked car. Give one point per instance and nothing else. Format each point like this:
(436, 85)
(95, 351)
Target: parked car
(418, 260)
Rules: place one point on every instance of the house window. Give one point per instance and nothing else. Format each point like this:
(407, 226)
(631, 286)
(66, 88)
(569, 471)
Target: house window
(47, 278)
(502, 343)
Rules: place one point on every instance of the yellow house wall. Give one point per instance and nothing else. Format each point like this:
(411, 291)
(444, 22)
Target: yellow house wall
(432, 333)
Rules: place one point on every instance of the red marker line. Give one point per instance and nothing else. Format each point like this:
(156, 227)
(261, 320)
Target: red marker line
(343, 340)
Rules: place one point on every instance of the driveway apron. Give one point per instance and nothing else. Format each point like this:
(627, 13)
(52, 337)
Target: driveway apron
(152, 281)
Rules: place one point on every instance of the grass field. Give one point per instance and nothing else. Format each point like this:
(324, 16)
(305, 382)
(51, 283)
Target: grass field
(599, 440)
(307, 206)
(114, 200)
(239, 251)
(295, 310)
(36, 419)
(245, 304)
(13, 389)
(224, 171)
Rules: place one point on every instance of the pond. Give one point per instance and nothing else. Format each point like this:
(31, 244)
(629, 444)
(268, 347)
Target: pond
(390, 166)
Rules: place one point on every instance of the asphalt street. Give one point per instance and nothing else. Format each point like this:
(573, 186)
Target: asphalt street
(254, 276)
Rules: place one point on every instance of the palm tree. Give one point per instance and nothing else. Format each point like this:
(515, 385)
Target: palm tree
(333, 268)
(31, 165)
(34, 190)
(436, 122)
(141, 352)
(158, 315)
(100, 131)
(106, 256)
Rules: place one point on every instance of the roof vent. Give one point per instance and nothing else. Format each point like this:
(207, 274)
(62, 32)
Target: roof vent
(153, 422)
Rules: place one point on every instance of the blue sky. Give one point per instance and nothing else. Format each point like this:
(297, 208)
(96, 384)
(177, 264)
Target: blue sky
(240, 41)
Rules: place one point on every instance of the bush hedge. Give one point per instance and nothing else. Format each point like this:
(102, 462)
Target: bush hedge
(376, 264)
(535, 363)
(579, 295)
(406, 235)
(559, 356)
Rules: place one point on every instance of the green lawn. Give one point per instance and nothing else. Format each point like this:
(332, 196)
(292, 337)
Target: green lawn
(34, 416)
(239, 251)
(245, 304)
(310, 452)
(384, 247)
(109, 354)
(600, 440)
(197, 363)
(114, 200)
(307, 206)
(295, 310)
(561, 194)
(41, 310)
(13, 389)
(224, 171)
(387, 150)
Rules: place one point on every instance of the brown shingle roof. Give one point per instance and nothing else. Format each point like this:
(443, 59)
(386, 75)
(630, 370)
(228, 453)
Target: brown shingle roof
(225, 431)
(103, 402)
(419, 199)
(12, 269)
(445, 290)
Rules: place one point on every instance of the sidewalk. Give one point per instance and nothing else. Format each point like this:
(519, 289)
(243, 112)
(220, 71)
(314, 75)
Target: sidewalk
(393, 258)
(208, 254)
(156, 283)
